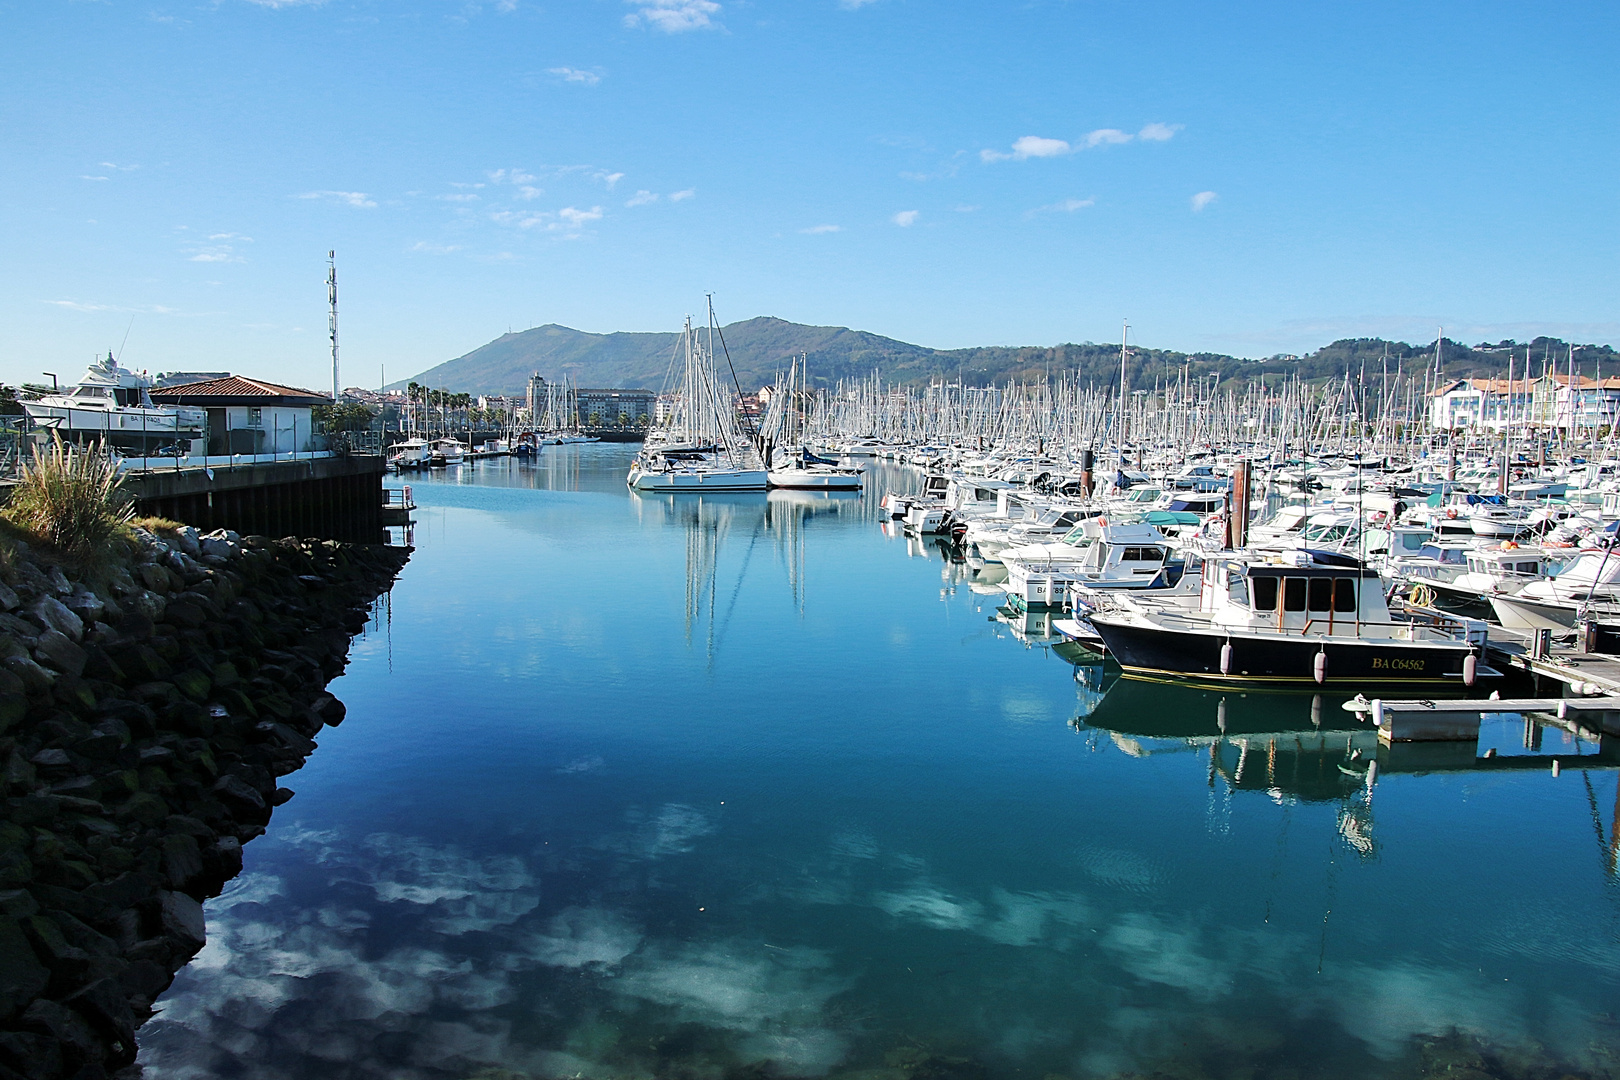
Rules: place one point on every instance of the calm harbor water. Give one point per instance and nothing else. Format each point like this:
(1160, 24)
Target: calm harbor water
(746, 785)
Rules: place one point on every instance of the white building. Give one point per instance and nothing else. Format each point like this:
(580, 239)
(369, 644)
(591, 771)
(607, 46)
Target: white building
(251, 416)
(1548, 402)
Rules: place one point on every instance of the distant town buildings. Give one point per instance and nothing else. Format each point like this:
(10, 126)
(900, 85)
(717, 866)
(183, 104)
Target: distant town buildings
(1551, 402)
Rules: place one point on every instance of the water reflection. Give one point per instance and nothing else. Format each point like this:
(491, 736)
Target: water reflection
(558, 839)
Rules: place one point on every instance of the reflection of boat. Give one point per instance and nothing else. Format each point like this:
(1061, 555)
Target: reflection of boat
(114, 405)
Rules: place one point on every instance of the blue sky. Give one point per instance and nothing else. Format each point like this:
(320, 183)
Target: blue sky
(1251, 178)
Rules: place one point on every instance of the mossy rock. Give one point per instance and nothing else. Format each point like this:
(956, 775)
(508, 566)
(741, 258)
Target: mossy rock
(192, 683)
(144, 807)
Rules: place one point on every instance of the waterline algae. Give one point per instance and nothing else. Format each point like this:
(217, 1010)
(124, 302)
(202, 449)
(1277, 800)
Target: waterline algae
(742, 786)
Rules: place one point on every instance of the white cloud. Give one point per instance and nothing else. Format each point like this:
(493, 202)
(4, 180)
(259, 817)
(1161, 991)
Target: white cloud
(578, 218)
(672, 16)
(1107, 137)
(518, 176)
(817, 230)
(82, 177)
(1065, 206)
(497, 174)
(436, 249)
(610, 179)
(966, 209)
(118, 168)
(1158, 132)
(853, 5)
(1029, 146)
(465, 196)
(506, 7)
(679, 196)
(287, 3)
(357, 199)
(642, 198)
(575, 75)
(216, 257)
(527, 192)
(1203, 199)
(906, 218)
(231, 236)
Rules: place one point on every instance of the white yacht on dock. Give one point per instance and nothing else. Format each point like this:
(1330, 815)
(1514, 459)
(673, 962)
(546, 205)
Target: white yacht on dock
(112, 404)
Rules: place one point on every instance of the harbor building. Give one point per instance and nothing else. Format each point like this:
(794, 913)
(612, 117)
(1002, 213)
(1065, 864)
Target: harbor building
(250, 416)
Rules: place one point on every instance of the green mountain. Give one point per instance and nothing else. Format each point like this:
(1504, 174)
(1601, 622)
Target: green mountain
(760, 348)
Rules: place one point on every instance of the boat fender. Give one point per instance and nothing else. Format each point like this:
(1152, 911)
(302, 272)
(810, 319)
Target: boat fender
(1321, 667)
(1451, 513)
(1226, 659)
(1470, 669)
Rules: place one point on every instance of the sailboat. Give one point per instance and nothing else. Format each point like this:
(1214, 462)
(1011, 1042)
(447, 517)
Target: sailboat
(792, 464)
(701, 447)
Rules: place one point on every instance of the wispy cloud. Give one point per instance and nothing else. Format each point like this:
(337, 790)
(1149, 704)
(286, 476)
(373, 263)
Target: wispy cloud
(357, 199)
(575, 75)
(1106, 137)
(580, 218)
(611, 179)
(967, 209)
(681, 196)
(230, 236)
(118, 168)
(217, 250)
(852, 5)
(1029, 146)
(1062, 206)
(906, 218)
(460, 196)
(817, 230)
(434, 249)
(92, 308)
(84, 177)
(1035, 146)
(527, 192)
(287, 3)
(672, 16)
(1203, 199)
(642, 198)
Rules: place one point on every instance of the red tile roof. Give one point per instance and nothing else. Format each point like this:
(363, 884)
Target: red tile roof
(237, 386)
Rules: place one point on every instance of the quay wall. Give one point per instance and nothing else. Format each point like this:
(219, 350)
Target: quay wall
(147, 713)
(335, 498)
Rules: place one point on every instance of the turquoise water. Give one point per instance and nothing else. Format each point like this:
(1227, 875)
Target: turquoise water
(747, 785)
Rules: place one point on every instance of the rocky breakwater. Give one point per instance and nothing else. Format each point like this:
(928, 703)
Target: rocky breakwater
(146, 714)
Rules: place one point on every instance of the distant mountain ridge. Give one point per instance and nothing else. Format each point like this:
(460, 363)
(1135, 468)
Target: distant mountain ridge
(761, 347)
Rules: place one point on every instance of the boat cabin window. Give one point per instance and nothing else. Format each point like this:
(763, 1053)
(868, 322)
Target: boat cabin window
(1265, 594)
(1344, 594)
(1526, 567)
(1294, 594)
(1143, 554)
(89, 392)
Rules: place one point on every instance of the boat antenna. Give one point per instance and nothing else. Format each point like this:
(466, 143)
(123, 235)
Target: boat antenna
(748, 427)
(331, 299)
(127, 329)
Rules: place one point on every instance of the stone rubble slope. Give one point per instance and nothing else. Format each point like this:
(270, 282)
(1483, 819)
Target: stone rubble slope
(144, 724)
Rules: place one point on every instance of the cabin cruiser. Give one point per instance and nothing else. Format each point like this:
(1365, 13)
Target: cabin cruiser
(1487, 573)
(1310, 617)
(413, 453)
(1091, 556)
(113, 405)
(445, 452)
(1555, 603)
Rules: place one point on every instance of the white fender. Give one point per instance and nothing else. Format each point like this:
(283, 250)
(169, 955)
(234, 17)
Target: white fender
(1226, 659)
(1470, 669)
(1321, 667)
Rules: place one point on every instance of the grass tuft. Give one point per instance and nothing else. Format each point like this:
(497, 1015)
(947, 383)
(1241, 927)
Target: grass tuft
(71, 499)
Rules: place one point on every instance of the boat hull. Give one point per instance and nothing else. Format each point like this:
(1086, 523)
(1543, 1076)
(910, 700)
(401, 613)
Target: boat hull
(1159, 652)
(700, 480)
(1520, 613)
(813, 480)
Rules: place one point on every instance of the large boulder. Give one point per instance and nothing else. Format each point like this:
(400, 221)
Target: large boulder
(52, 614)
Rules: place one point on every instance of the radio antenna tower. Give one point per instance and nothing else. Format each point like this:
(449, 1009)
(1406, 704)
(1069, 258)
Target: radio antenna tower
(331, 299)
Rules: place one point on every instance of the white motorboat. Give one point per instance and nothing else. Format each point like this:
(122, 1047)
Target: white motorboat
(112, 404)
(413, 453)
(1090, 557)
(1555, 603)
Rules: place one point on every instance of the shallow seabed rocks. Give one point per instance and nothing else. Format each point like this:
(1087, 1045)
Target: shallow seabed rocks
(145, 716)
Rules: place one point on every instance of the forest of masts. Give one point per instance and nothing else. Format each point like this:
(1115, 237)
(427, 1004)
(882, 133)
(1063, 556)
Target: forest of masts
(1381, 413)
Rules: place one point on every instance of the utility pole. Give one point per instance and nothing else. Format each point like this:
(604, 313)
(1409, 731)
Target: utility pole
(331, 299)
